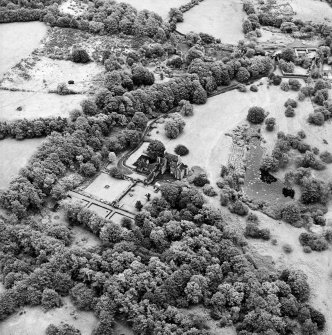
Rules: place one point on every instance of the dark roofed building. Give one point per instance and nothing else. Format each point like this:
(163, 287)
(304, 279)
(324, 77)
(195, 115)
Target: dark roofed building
(169, 163)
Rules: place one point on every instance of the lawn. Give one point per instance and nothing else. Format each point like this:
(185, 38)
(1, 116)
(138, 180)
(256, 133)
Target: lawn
(137, 193)
(111, 193)
(219, 18)
(14, 156)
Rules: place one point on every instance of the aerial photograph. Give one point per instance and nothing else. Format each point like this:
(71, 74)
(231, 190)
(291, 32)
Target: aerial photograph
(165, 167)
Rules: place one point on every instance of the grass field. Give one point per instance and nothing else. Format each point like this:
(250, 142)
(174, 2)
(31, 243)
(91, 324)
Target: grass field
(18, 40)
(220, 18)
(14, 156)
(36, 104)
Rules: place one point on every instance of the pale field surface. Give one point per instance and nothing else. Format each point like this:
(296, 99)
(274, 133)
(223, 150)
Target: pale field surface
(312, 10)
(45, 74)
(35, 320)
(116, 187)
(14, 156)
(36, 104)
(316, 265)
(73, 7)
(83, 238)
(219, 18)
(18, 40)
(161, 7)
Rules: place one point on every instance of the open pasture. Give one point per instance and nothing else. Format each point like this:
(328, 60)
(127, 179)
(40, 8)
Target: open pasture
(14, 156)
(18, 40)
(219, 18)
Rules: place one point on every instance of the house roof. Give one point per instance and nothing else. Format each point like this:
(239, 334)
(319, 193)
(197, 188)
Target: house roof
(143, 157)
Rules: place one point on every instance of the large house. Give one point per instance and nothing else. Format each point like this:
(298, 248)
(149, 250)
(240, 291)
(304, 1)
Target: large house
(168, 163)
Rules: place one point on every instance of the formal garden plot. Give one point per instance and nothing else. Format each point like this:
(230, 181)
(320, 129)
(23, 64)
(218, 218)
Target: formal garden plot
(107, 188)
(18, 40)
(138, 193)
(35, 321)
(101, 211)
(14, 156)
(219, 18)
(160, 7)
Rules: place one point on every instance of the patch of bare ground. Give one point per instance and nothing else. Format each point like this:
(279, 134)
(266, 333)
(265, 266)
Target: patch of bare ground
(60, 42)
(42, 74)
(34, 321)
(84, 239)
(73, 7)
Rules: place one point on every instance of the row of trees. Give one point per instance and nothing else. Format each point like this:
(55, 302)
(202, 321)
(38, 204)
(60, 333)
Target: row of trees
(213, 74)
(157, 98)
(24, 128)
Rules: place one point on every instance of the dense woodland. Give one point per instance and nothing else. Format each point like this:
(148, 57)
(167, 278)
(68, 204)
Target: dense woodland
(178, 252)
